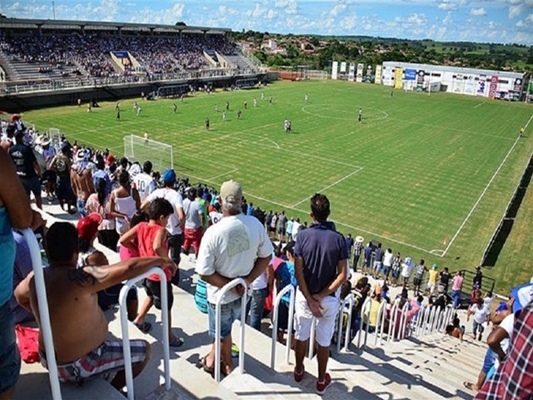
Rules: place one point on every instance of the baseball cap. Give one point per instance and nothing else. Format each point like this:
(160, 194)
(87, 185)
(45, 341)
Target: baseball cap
(502, 307)
(231, 194)
(169, 176)
(435, 266)
(88, 226)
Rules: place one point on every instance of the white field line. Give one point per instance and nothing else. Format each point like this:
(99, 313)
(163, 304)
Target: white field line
(483, 193)
(225, 173)
(480, 104)
(307, 212)
(329, 186)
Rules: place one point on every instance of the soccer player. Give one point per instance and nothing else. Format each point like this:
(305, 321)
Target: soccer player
(145, 137)
(135, 106)
(255, 102)
(286, 125)
(270, 99)
(306, 98)
(360, 115)
(262, 95)
(216, 107)
(223, 115)
(522, 131)
(239, 114)
(207, 123)
(245, 104)
(139, 109)
(175, 108)
(118, 114)
(227, 105)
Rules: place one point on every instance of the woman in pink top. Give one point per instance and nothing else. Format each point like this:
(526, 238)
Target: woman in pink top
(456, 288)
(131, 252)
(151, 241)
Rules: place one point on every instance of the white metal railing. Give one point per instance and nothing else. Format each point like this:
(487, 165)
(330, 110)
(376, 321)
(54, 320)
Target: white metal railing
(364, 323)
(393, 317)
(380, 327)
(125, 332)
(218, 305)
(347, 302)
(44, 313)
(403, 320)
(292, 292)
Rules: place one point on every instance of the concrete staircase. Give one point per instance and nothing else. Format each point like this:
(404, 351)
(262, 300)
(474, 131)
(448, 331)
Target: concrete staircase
(430, 367)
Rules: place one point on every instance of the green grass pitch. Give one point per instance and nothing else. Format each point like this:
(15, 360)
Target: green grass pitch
(429, 176)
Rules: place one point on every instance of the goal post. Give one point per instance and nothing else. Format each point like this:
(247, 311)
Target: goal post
(137, 148)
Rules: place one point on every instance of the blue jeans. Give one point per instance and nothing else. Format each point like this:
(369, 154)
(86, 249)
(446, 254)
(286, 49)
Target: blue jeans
(80, 205)
(489, 360)
(229, 313)
(456, 296)
(9, 352)
(256, 306)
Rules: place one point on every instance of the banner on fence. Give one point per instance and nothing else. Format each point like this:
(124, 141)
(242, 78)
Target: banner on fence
(343, 66)
(493, 86)
(334, 67)
(420, 77)
(481, 85)
(378, 75)
(359, 76)
(398, 77)
(410, 74)
(351, 73)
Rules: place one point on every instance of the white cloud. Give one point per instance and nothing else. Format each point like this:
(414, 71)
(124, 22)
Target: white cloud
(417, 19)
(288, 6)
(529, 18)
(337, 9)
(349, 22)
(448, 19)
(478, 12)
(520, 24)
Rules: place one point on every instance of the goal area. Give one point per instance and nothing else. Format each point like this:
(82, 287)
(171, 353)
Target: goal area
(137, 148)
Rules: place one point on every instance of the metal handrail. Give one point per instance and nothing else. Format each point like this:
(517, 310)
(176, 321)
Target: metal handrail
(429, 326)
(368, 301)
(348, 301)
(44, 312)
(382, 317)
(420, 321)
(292, 292)
(218, 324)
(393, 316)
(403, 320)
(125, 332)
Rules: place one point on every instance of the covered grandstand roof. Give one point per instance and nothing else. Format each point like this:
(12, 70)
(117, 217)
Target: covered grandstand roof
(17, 23)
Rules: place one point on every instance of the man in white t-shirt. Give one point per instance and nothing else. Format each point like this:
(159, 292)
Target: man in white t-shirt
(235, 247)
(481, 316)
(176, 220)
(144, 182)
(407, 267)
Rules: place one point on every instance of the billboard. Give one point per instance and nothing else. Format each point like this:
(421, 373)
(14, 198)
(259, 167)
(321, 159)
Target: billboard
(398, 77)
(343, 66)
(378, 75)
(410, 75)
(493, 86)
(359, 76)
(334, 68)
(517, 85)
(351, 73)
(481, 85)
(420, 80)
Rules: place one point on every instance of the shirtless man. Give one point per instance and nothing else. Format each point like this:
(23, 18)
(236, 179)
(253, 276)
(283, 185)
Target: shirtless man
(79, 326)
(81, 178)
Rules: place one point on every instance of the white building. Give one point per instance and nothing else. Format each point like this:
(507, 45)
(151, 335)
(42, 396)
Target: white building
(470, 81)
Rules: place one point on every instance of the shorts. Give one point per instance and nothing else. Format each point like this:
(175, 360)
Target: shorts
(32, 185)
(386, 270)
(378, 265)
(104, 361)
(395, 273)
(325, 326)
(49, 176)
(9, 352)
(417, 281)
(230, 312)
(107, 298)
(80, 206)
(281, 231)
(488, 361)
(64, 189)
(153, 290)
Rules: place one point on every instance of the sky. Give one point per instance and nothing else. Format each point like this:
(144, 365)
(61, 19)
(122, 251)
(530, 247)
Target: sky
(493, 21)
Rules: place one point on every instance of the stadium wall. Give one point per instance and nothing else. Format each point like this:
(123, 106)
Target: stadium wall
(469, 81)
(16, 103)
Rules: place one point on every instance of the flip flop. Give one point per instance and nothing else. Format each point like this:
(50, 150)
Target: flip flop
(145, 327)
(178, 342)
(201, 364)
(468, 385)
(234, 350)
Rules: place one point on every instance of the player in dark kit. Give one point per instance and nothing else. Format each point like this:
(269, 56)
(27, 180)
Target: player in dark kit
(175, 108)
(239, 114)
(207, 123)
(360, 115)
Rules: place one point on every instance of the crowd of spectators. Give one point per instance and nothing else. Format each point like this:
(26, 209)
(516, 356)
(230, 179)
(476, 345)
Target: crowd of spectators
(90, 52)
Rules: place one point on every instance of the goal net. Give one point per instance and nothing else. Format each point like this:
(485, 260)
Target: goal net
(139, 149)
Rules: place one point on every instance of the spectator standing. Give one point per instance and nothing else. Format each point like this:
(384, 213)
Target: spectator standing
(387, 263)
(282, 221)
(176, 221)
(367, 258)
(478, 278)
(288, 229)
(419, 275)
(358, 248)
(349, 247)
(15, 212)
(378, 261)
(124, 202)
(320, 268)
(82, 180)
(445, 279)
(457, 287)
(237, 246)
(481, 317)
(61, 165)
(27, 167)
(100, 203)
(194, 222)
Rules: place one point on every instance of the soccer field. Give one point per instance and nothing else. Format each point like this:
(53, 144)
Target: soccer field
(429, 176)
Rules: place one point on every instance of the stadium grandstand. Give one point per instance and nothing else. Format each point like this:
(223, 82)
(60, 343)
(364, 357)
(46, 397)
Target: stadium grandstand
(39, 56)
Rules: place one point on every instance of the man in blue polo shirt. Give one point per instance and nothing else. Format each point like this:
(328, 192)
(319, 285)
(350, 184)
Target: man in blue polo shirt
(320, 267)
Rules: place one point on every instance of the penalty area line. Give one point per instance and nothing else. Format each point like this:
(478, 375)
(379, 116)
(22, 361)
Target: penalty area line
(329, 186)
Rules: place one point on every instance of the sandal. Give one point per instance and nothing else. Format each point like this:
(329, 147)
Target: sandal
(145, 327)
(468, 385)
(178, 342)
(202, 364)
